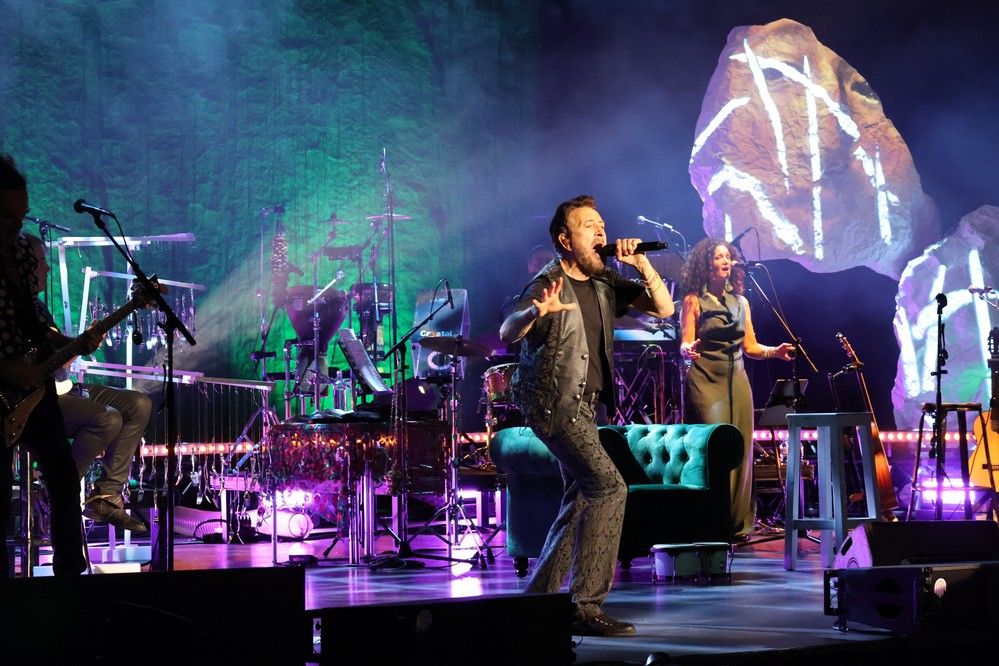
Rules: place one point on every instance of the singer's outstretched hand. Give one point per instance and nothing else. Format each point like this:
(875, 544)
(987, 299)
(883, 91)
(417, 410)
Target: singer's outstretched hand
(550, 301)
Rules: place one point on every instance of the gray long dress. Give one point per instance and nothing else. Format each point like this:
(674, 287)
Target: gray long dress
(717, 390)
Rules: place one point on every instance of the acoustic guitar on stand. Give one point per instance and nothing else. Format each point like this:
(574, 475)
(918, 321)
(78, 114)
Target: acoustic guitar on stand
(16, 405)
(982, 467)
(886, 490)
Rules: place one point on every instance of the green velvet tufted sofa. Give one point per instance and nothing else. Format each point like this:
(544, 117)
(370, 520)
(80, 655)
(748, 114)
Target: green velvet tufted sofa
(677, 476)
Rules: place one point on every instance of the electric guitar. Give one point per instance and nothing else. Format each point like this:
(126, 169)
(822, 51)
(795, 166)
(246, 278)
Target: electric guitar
(886, 490)
(978, 464)
(16, 405)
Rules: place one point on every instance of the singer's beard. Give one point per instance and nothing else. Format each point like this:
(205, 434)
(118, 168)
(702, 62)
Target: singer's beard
(590, 264)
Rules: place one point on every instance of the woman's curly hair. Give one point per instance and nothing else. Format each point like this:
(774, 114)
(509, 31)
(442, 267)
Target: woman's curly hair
(700, 263)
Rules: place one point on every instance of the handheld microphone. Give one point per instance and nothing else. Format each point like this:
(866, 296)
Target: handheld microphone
(447, 291)
(735, 241)
(662, 225)
(746, 265)
(610, 249)
(82, 206)
(981, 290)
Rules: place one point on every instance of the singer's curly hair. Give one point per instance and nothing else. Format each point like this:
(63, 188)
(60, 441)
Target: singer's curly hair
(700, 264)
(10, 178)
(560, 221)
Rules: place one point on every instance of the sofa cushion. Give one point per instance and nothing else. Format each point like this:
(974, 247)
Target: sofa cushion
(677, 454)
(617, 448)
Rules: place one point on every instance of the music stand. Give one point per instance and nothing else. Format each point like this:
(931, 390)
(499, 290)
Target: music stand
(780, 403)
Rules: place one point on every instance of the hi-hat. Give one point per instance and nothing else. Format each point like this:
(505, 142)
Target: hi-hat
(385, 217)
(455, 346)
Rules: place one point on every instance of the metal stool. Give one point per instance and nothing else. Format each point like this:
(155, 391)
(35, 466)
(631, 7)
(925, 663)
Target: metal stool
(831, 488)
(940, 449)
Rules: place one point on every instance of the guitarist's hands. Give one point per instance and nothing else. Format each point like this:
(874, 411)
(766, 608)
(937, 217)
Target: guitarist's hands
(89, 341)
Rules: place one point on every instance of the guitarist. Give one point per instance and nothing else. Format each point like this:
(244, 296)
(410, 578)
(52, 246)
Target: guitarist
(101, 421)
(44, 434)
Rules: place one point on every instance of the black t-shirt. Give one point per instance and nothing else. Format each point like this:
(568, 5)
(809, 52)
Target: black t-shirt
(589, 307)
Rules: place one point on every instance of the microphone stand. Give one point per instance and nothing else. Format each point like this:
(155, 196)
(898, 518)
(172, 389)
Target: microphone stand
(799, 352)
(162, 555)
(937, 446)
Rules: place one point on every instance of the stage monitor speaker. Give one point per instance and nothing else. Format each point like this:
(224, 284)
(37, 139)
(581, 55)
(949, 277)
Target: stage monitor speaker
(448, 321)
(878, 544)
(179, 617)
(485, 631)
(937, 598)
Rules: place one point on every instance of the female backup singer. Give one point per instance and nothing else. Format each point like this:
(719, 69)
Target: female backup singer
(716, 333)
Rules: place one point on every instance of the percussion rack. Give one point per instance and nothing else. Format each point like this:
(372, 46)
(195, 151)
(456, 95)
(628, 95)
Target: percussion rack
(132, 242)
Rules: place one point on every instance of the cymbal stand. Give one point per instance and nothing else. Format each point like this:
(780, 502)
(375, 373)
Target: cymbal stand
(389, 216)
(404, 536)
(457, 523)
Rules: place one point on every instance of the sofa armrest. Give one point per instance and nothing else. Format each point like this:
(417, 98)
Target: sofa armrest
(518, 451)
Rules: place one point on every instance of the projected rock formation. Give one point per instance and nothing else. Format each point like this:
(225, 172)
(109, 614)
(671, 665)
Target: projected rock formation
(948, 268)
(793, 141)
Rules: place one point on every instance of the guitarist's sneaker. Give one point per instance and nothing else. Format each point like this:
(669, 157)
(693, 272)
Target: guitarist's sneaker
(111, 509)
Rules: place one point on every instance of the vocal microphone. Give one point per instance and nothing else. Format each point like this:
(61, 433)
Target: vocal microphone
(610, 249)
(735, 241)
(447, 291)
(662, 225)
(82, 206)
(746, 265)
(981, 290)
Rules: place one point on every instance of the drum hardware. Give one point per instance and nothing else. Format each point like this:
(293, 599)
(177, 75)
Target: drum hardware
(455, 346)
(453, 511)
(372, 302)
(345, 252)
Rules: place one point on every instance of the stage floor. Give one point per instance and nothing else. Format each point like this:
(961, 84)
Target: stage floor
(759, 613)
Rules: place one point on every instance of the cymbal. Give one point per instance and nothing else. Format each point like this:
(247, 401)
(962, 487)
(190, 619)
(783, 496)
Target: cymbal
(345, 252)
(455, 346)
(385, 217)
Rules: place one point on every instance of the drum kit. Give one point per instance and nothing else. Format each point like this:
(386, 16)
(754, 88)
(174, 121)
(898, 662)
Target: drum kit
(317, 312)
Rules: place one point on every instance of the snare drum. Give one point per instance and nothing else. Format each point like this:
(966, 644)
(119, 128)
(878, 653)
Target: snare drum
(496, 383)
